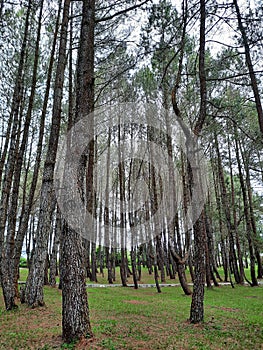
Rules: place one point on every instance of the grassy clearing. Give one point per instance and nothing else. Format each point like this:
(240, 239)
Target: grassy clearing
(124, 318)
(146, 278)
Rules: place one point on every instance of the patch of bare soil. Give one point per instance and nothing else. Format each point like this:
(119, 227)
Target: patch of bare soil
(86, 344)
(36, 326)
(230, 309)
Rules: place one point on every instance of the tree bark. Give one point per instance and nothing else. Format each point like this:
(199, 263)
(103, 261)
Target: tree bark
(235, 225)
(197, 305)
(252, 217)
(6, 269)
(247, 216)
(23, 223)
(250, 67)
(35, 281)
(227, 211)
(53, 258)
(9, 256)
(75, 309)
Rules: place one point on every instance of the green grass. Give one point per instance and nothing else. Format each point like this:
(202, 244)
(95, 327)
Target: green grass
(124, 318)
(146, 278)
(26, 328)
(232, 316)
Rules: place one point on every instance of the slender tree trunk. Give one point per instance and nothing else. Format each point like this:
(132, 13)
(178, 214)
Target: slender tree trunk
(123, 269)
(190, 264)
(252, 218)
(134, 272)
(53, 258)
(197, 305)
(22, 212)
(155, 268)
(210, 251)
(109, 265)
(113, 255)
(227, 212)
(250, 67)
(93, 262)
(139, 263)
(101, 260)
(6, 269)
(121, 173)
(235, 226)
(106, 217)
(149, 260)
(219, 210)
(160, 257)
(180, 267)
(12, 216)
(35, 281)
(6, 144)
(247, 216)
(23, 224)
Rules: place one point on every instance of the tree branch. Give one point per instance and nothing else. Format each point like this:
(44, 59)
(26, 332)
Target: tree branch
(103, 19)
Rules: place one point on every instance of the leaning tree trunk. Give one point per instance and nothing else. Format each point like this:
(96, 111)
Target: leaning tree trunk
(23, 223)
(35, 281)
(6, 275)
(9, 256)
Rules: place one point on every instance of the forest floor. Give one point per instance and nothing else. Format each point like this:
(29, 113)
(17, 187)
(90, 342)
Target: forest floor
(125, 318)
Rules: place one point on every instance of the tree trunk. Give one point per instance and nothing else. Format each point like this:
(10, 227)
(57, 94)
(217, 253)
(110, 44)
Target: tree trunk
(23, 223)
(160, 257)
(227, 212)
(123, 269)
(180, 267)
(134, 272)
(6, 266)
(247, 216)
(75, 311)
(210, 251)
(235, 225)
(250, 67)
(109, 265)
(197, 305)
(253, 223)
(53, 258)
(35, 281)
(93, 263)
(222, 247)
